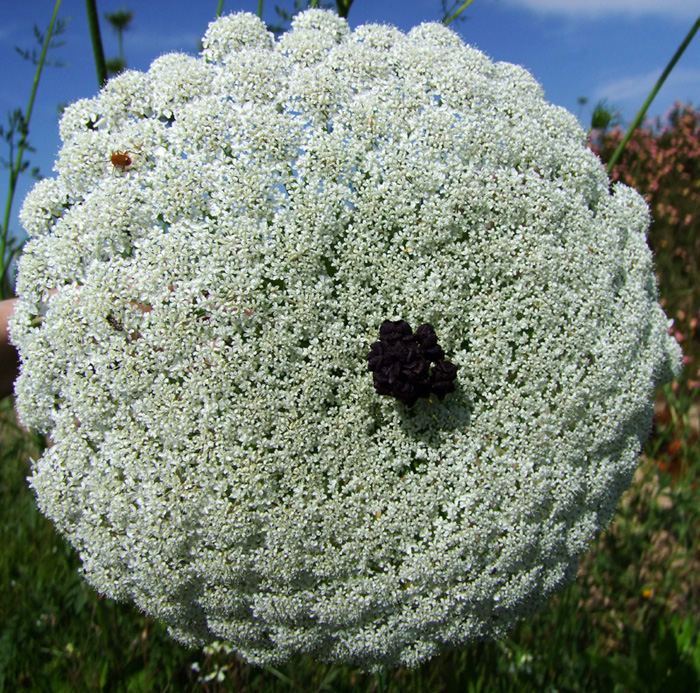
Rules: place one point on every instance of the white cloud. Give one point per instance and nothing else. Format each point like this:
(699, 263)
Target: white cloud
(682, 84)
(628, 88)
(599, 8)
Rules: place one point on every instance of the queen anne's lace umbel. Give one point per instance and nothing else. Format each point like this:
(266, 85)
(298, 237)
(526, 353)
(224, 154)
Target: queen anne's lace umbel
(220, 454)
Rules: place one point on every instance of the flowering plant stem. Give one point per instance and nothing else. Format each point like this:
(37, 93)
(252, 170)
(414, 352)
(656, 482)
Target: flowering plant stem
(343, 7)
(97, 49)
(457, 12)
(640, 115)
(17, 166)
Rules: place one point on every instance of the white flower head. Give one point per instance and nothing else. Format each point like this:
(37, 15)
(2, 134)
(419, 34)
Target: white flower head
(228, 36)
(222, 453)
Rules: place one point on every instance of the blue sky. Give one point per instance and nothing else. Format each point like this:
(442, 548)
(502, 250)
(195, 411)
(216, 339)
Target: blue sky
(599, 49)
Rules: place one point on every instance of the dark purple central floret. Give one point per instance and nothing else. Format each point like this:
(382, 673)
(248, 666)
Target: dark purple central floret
(401, 360)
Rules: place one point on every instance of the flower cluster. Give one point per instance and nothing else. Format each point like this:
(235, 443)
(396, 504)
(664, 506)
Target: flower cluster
(401, 360)
(194, 329)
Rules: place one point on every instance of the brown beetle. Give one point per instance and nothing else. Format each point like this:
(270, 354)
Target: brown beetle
(121, 159)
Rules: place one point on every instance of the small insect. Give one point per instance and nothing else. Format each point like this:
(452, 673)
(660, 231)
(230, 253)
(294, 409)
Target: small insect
(115, 323)
(121, 159)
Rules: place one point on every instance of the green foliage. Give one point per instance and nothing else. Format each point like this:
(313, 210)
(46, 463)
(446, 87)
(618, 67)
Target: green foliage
(603, 116)
(452, 11)
(16, 137)
(33, 55)
(115, 66)
(343, 7)
(653, 664)
(120, 21)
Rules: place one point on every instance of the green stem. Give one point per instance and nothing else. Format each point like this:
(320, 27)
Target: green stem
(343, 7)
(17, 167)
(220, 8)
(260, 3)
(380, 679)
(97, 49)
(639, 117)
(456, 14)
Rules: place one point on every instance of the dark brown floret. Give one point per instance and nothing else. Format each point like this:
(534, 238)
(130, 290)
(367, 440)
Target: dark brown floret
(401, 360)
